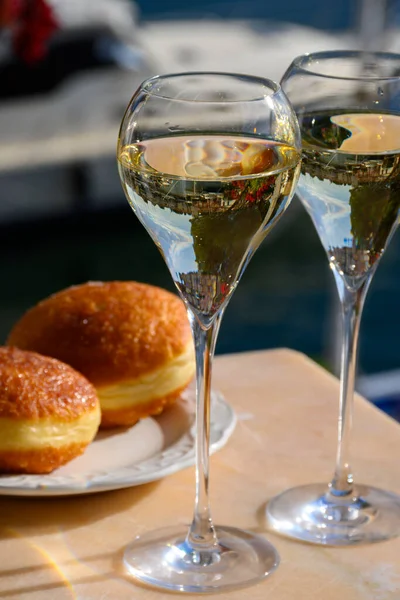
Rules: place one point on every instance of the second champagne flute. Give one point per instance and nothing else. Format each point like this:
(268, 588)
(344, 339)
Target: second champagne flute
(208, 162)
(348, 107)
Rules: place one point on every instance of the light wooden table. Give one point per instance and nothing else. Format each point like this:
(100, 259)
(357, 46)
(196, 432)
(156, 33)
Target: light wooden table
(70, 548)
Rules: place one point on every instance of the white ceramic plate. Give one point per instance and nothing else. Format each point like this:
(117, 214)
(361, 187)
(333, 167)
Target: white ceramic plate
(153, 448)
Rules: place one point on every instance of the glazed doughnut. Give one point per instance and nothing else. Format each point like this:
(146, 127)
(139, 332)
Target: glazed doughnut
(49, 412)
(131, 340)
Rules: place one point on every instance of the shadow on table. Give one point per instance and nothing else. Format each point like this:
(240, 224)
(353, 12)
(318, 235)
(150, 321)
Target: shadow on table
(116, 574)
(24, 520)
(39, 516)
(47, 571)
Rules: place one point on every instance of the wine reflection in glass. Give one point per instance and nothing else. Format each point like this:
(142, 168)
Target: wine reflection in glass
(348, 107)
(208, 162)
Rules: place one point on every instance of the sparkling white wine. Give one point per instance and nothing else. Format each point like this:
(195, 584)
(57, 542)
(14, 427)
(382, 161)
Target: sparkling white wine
(208, 201)
(350, 185)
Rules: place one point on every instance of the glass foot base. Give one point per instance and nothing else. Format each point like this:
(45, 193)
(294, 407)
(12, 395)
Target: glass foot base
(163, 559)
(311, 514)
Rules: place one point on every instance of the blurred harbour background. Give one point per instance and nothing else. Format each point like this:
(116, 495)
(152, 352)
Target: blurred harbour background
(63, 217)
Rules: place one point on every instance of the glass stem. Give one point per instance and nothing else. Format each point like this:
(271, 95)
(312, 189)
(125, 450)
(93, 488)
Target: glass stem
(202, 532)
(352, 302)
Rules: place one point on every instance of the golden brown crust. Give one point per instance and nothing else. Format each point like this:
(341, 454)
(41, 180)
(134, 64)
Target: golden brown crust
(110, 332)
(39, 461)
(36, 387)
(129, 416)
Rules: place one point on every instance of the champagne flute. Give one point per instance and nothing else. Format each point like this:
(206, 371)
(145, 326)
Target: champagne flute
(208, 163)
(348, 107)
